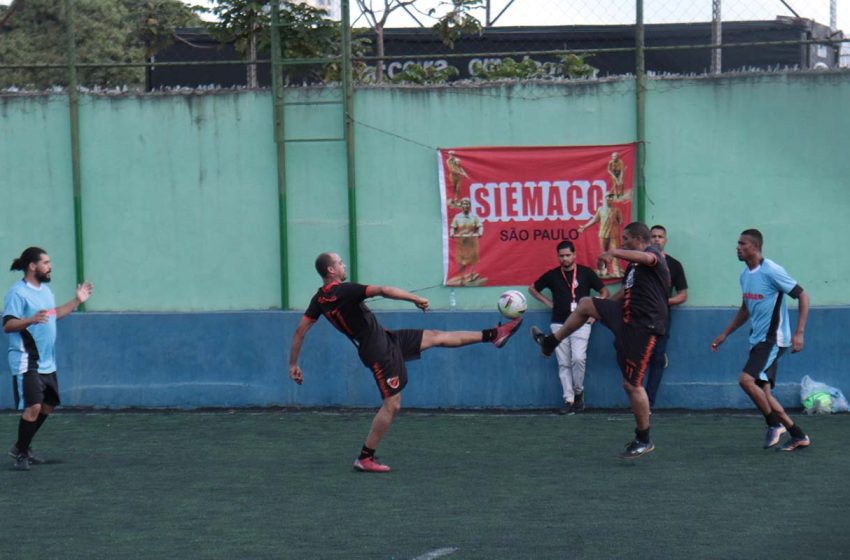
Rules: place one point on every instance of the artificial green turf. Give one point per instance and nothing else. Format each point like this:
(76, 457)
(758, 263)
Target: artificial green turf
(279, 484)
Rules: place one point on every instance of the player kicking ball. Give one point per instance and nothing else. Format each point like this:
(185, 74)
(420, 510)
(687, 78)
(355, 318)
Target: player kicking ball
(384, 352)
(637, 315)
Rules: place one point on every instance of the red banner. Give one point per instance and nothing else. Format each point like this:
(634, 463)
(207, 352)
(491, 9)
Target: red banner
(506, 209)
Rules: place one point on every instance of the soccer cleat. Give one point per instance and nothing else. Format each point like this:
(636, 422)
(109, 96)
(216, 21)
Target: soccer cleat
(22, 462)
(504, 332)
(795, 443)
(773, 435)
(566, 409)
(637, 448)
(370, 464)
(547, 343)
(33, 459)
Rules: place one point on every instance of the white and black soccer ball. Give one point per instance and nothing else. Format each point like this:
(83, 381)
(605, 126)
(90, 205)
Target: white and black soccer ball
(512, 304)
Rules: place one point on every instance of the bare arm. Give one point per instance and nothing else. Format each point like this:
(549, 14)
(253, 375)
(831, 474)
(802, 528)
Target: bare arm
(18, 325)
(797, 340)
(589, 223)
(740, 318)
(539, 297)
(295, 372)
(640, 257)
(680, 298)
(82, 295)
(392, 292)
(604, 293)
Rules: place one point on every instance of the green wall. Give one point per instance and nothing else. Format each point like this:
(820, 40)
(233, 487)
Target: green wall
(180, 191)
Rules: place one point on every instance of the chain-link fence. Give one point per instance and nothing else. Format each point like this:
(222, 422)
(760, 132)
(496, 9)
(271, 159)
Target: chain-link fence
(157, 44)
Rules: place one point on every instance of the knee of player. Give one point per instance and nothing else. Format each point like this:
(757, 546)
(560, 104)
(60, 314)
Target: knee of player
(32, 411)
(393, 404)
(746, 380)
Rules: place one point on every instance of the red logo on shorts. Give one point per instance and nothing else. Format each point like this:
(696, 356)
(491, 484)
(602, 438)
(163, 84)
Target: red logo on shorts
(393, 382)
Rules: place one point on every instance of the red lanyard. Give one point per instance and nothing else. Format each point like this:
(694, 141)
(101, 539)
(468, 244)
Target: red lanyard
(573, 283)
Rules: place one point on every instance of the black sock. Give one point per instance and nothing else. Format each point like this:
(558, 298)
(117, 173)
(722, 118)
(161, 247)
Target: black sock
(40, 420)
(366, 452)
(772, 419)
(642, 435)
(796, 432)
(488, 335)
(26, 431)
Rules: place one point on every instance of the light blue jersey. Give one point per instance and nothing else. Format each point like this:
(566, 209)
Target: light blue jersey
(33, 348)
(764, 290)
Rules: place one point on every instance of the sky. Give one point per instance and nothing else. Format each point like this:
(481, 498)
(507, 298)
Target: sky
(578, 12)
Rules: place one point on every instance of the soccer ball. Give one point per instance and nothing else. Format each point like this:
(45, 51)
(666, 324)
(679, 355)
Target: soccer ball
(512, 304)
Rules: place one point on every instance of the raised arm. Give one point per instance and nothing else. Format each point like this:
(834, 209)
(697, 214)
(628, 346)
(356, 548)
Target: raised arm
(295, 372)
(640, 257)
(392, 292)
(81, 296)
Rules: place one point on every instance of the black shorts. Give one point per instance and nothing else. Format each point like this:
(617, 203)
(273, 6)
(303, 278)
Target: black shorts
(634, 345)
(35, 388)
(389, 370)
(763, 362)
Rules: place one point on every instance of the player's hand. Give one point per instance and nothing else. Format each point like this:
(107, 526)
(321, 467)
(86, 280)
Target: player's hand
(797, 342)
(84, 291)
(715, 344)
(296, 374)
(422, 303)
(591, 320)
(607, 256)
(41, 317)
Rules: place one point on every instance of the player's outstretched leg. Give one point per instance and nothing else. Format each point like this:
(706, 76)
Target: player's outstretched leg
(454, 339)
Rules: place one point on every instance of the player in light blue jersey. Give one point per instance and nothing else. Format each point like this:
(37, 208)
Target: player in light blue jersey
(764, 284)
(29, 319)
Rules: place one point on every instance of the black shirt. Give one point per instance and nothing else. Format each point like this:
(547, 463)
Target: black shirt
(646, 291)
(559, 281)
(677, 275)
(342, 305)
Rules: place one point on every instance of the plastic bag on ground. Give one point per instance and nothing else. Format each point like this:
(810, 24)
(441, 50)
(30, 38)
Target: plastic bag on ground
(820, 398)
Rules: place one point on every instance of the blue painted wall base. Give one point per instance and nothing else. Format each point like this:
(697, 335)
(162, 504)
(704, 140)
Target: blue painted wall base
(239, 359)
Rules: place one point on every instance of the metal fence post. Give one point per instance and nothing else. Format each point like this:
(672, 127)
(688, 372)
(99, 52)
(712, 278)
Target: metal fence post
(640, 74)
(348, 133)
(280, 145)
(74, 111)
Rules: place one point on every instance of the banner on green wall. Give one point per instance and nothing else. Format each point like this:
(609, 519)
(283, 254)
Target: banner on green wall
(505, 209)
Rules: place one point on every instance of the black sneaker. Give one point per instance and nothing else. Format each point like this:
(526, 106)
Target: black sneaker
(578, 405)
(547, 343)
(637, 448)
(22, 462)
(566, 409)
(33, 459)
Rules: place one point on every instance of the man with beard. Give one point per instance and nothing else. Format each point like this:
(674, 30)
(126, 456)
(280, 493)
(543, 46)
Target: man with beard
(29, 318)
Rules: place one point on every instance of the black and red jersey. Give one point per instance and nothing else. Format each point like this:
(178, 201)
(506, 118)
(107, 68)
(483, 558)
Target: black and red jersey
(646, 288)
(342, 304)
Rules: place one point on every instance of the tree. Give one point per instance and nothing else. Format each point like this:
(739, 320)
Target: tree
(305, 32)
(457, 22)
(107, 31)
(377, 19)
